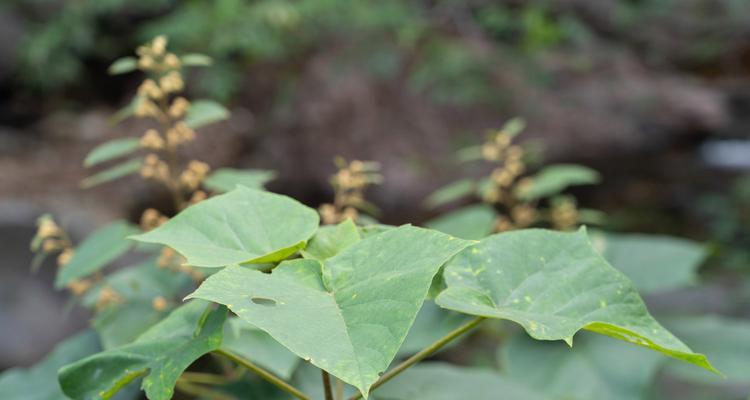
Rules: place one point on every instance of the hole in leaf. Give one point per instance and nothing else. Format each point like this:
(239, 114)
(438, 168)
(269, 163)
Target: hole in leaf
(263, 301)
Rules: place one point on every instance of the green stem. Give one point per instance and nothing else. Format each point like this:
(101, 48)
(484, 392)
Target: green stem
(424, 353)
(339, 389)
(278, 382)
(207, 379)
(327, 385)
(199, 391)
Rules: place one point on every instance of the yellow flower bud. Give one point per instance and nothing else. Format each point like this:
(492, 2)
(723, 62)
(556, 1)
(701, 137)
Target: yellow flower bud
(64, 257)
(172, 61)
(159, 45)
(152, 140)
(179, 107)
(79, 286)
(159, 303)
(171, 82)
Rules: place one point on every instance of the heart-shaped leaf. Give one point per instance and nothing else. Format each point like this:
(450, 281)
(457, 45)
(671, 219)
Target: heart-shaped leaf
(162, 353)
(242, 226)
(554, 284)
(330, 240)
(349, 315)
(99, 249)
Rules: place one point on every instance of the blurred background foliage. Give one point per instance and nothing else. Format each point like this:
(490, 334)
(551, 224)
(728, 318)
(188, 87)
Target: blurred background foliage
(652, 94)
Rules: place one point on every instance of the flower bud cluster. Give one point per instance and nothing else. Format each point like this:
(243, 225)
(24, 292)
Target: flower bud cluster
(349, 184)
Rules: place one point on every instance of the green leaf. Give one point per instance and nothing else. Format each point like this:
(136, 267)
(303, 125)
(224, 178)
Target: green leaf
(247, 341)
(472, 222)
(450, 193)
(554, 284)
(431, 324)
(127, 111)
(725, 340)
(142, 281)
(118, 171)
(225, 179)
(595, 368)
(468, 154)
(439, 381)
(111, 149)
(514, 126)
(161, 354)
(98, 250)
(123, 65)
(122, 324)
(653, 262)
(331, 240)
(553, 179)
(242, 226)
(205, 112)
(40, 381)
(196, 60)
(348, 315)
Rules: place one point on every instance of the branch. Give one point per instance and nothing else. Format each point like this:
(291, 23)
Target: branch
(278, 382)
(327, 384)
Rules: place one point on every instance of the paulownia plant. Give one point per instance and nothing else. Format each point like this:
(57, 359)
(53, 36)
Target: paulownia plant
(271, 291)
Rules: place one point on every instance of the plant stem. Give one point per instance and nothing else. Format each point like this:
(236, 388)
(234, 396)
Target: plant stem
(424, 353)
(339, 389)
(327, 384)
(199, 391)
(278, 382)
(208, 379)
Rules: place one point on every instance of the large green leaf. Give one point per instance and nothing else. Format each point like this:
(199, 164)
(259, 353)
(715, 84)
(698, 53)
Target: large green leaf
(161, 354)
(595, 368)
(247, 341)
(555, 178)
(450, 193)
(224, 180)
(725, 340)
(242, 226)
(99, 249)
(205, 112)
(331, 240)
(653, 262)
(110, 174)
(40, 381)
(554, 284)
(111, 149)
(472, 222)
(439, 381)
(349, 315)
